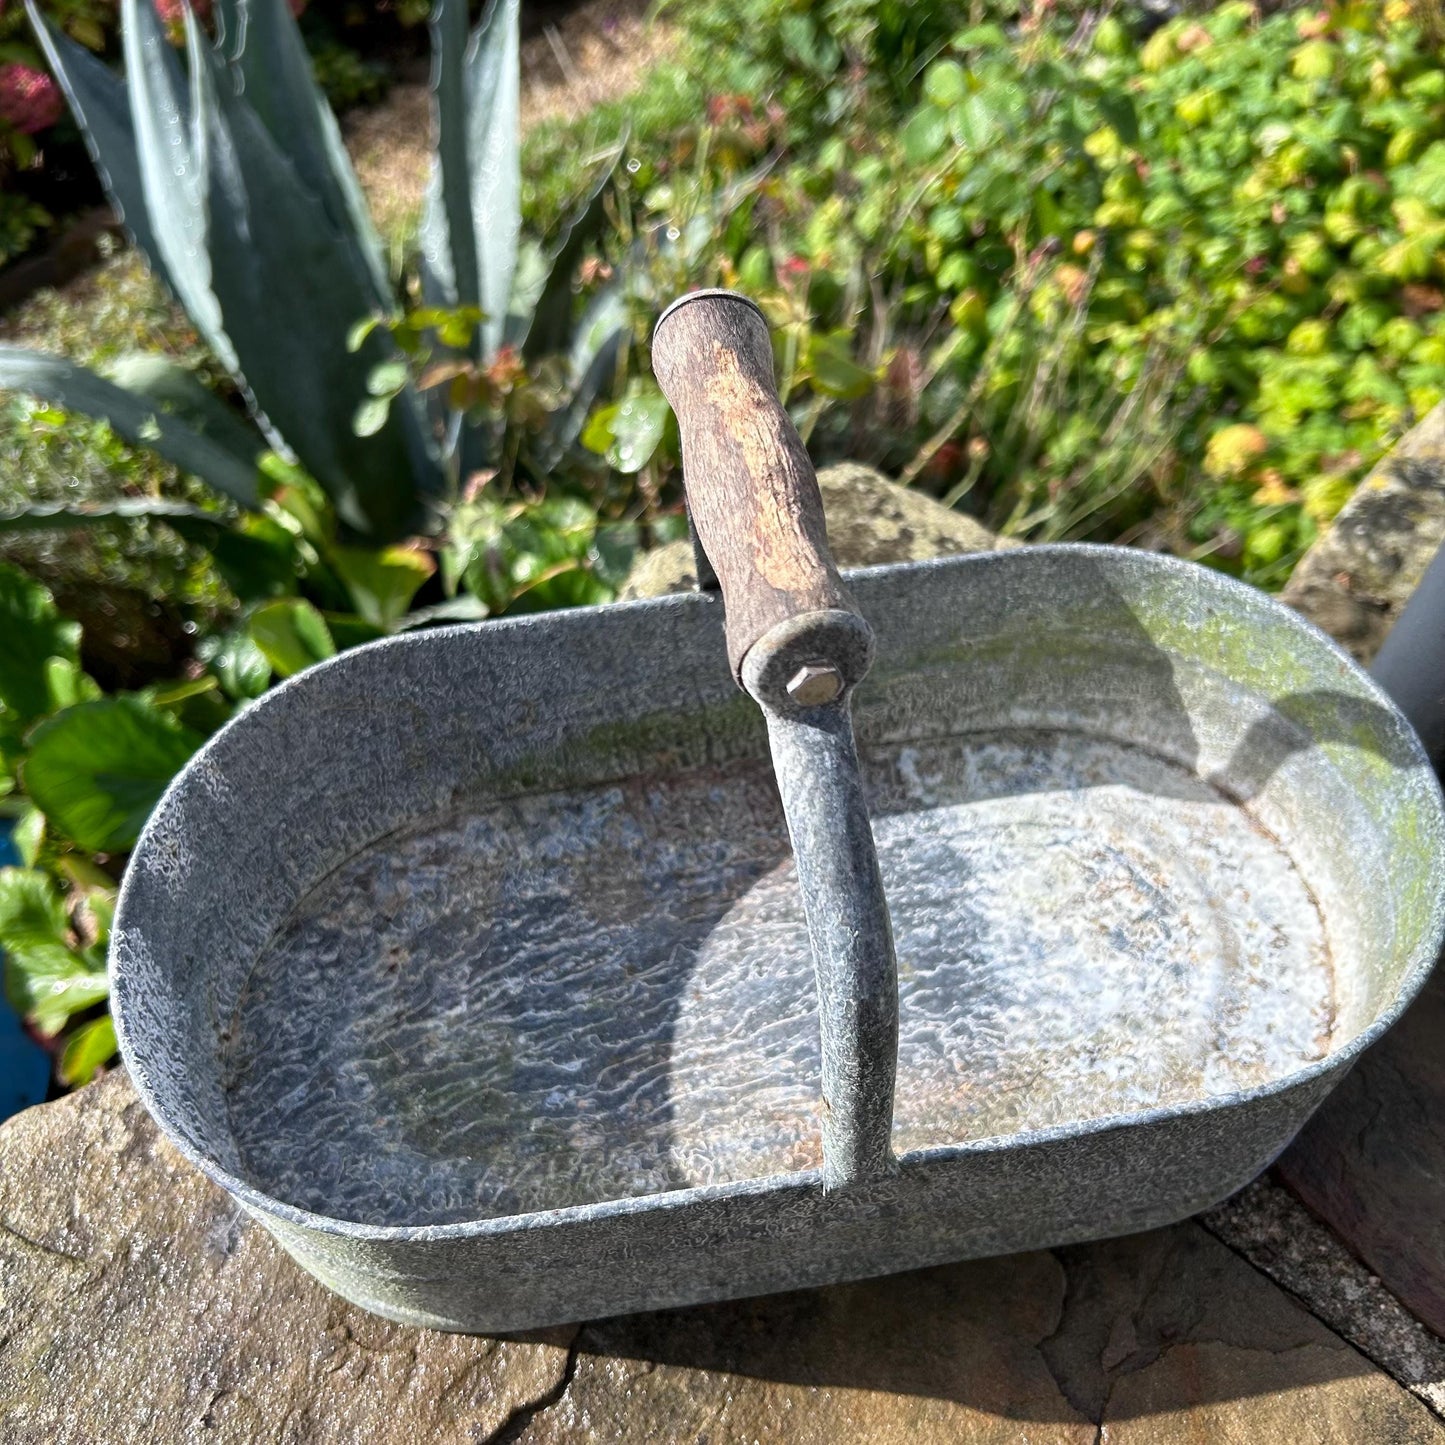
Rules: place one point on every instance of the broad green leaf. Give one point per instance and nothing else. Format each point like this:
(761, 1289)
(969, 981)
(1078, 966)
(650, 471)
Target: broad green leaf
(89, 1049)
(348, 630)
(925, 135)
(1118, 109)
(137, 418)
(292, 634)
(372, 416)
(629, 431)
(830, 362)
(67, 684)
(808, 43)
(101, 107)
(456, 609)
(46, 980)
(98, 769)
(945, 82)
(537, 553)
(614, 549)
(99, 902)
(239, 665)
(382, 583)
(975, 123)
(32, 634)
(28, 835)
(387, 378)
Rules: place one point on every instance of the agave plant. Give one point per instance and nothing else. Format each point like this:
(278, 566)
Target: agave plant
(230, 176)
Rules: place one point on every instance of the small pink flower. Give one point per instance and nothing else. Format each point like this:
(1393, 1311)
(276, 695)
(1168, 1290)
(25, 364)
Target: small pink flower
(29, 99)
(173, 13)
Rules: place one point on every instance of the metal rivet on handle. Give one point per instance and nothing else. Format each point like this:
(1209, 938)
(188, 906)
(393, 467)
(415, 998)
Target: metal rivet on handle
(814, 684)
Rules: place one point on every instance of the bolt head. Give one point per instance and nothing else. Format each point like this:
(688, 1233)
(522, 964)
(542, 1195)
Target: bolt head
(815, 683)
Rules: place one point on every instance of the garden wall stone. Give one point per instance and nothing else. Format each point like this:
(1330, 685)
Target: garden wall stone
(1355, 579)
(871, 521)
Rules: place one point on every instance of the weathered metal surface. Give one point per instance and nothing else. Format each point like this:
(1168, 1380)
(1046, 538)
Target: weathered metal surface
(1161, 861)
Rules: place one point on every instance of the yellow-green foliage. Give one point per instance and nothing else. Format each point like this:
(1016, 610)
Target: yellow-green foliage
(1244, 217)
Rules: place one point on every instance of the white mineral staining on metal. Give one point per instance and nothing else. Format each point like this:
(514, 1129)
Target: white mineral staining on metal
(572, 999)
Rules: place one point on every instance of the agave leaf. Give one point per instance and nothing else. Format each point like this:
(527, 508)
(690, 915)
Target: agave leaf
(136, 418)
(97, 98)
(264, 48)
(494, 152)
(473, 214)
(565, 426)
(549, 326)
(606, 317)
(448, 243)
(178, 391)
(291, 293)
(61, 517)
(170, 153)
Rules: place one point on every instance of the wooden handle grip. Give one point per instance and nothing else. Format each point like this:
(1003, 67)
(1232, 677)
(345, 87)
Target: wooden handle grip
(751, 488)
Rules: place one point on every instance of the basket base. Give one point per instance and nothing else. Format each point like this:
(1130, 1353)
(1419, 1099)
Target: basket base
(571, 998)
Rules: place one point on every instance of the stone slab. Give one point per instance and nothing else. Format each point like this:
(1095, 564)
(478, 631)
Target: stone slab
(1372, 1161)
(1154, 1338)
(139, 1306)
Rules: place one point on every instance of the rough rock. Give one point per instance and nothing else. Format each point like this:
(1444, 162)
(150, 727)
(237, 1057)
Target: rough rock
(140, 1306)
(870, 521)
(1156, 1338)
(1354, 580)
(1371, 1162)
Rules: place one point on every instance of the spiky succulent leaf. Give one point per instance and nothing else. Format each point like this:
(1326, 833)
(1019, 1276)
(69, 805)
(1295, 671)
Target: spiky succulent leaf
(549, 327)
(98, 101)
(80, 516)
(448, 244)
(473, 214)
(494, 85)
(261, 42)
(137, 418)
(178, 391)
(171, 161)
(290, 291)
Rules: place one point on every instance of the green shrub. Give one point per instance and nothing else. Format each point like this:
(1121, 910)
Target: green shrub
(1067, 260)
